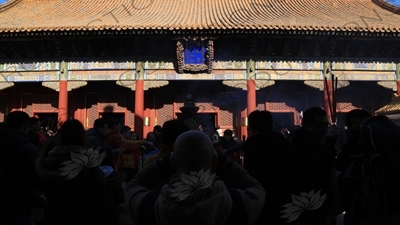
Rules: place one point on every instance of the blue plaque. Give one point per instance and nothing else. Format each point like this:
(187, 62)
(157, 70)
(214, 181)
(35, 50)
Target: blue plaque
(195, 55)
(195, 52)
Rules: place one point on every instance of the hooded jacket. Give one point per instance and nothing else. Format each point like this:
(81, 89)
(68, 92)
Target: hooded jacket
(234, 197)
(203, 206)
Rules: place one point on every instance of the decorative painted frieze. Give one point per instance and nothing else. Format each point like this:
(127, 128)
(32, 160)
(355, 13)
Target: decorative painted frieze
(216, 75)
(101, 75)
(72, 85)
(4, 85)
(288, 65)
(37, 66)
(164, 76)
(319, 84)
(100, 65)
(242, 84)
(363, 66)
(388, 84)
(222, 70)
(127, 83)
(229, 65)
(21, 76)
(288, 75)
(159, 65)
(264, 83)
(154, 84)
(365, 75)
(147, 84)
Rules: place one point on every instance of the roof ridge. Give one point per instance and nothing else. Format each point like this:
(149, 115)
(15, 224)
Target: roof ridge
(8, 4)
(386, 5)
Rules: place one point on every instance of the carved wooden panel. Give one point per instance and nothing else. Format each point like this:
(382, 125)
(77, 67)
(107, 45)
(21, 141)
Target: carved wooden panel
(130, 119)
(91, 109)
(226, 118)
(164, 107)
(164, 114)
(130, 111)
(345, 106)
(45, 103)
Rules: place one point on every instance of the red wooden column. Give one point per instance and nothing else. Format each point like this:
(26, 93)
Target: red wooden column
(328, 92)
(80, 115)
(63, 95)
(251, 96)
(139, 99)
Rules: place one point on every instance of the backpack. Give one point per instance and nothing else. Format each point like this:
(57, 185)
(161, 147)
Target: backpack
(362, 185)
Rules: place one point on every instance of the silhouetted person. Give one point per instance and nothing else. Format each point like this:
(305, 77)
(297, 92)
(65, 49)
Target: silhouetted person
(171, 129)
(95, 136)
(74, 185)
(19, 179)
(208, 190)
(157, 130)
(267, 158)
(313, 175)
(386, 138)
(34, 128)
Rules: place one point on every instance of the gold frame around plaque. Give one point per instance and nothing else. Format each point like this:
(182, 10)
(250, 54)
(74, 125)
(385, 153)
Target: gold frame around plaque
(180, 52)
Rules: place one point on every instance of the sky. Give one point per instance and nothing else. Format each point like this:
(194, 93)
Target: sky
(395, 2)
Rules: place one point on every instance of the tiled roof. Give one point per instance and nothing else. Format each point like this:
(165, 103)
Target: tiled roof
(392, 107)
(332, 15)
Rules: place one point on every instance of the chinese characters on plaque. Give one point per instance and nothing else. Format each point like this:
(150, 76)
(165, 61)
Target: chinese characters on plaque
(195, 55)
(195, 52)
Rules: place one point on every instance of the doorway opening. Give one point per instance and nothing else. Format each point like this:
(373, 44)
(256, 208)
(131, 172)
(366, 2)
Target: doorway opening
(208, 120)
(341, 118)
(119, 116)
(283, 120)
(48, 121)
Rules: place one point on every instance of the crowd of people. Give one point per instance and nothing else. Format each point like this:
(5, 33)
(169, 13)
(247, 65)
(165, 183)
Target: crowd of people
(175, 175)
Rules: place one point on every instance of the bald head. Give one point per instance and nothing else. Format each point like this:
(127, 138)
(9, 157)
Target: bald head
(194, 151)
